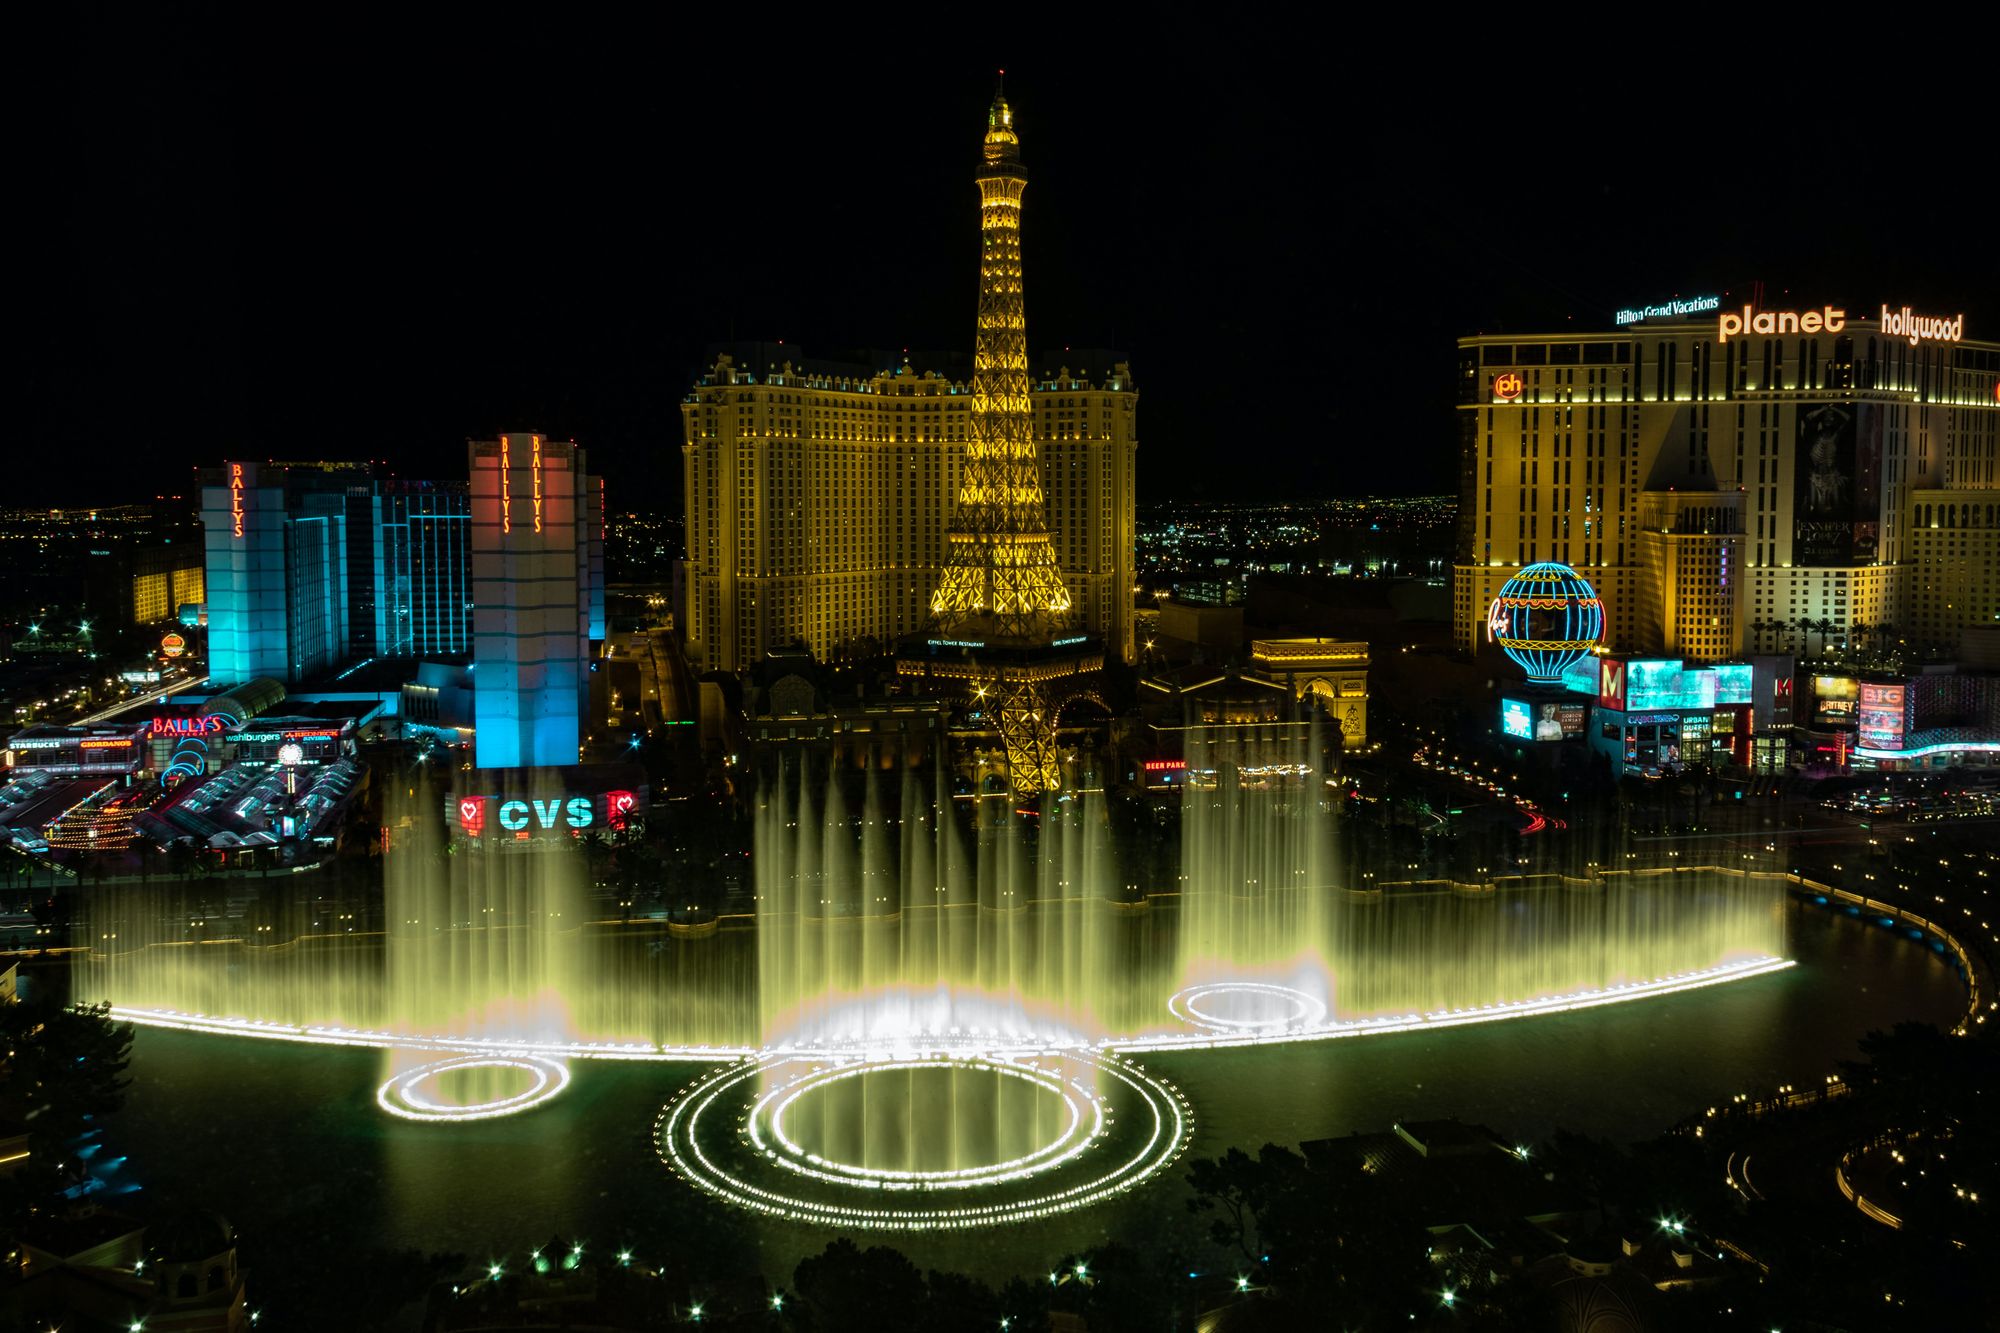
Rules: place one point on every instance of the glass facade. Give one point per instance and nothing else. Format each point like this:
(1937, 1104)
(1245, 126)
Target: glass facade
(410, 569)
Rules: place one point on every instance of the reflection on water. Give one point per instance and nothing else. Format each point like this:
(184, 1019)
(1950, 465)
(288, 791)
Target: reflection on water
(280, 1135)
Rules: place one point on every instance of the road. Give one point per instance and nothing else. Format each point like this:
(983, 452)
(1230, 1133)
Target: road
(138, 701)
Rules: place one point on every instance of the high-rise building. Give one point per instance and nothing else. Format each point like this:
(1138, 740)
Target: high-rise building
(532, 592)
(275, 575)
(819, 494)
(1719, 477)
(312, 564)
(1955, 559)
(409, 579)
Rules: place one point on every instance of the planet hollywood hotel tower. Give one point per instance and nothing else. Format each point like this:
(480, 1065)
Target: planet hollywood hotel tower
(1721, 472)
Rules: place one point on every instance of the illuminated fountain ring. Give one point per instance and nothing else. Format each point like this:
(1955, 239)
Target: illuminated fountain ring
(1194, 1006)
(766, 1126)
(1122, 1124)
(405, 1094)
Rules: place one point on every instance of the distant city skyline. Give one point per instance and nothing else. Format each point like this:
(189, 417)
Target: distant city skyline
(248, 258)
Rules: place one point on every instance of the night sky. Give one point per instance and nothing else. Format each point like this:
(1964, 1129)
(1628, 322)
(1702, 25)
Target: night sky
(254, 238)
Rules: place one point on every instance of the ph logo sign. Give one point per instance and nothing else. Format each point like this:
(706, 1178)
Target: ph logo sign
(1507, 386)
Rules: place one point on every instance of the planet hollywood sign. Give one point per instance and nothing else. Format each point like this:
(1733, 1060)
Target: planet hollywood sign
(524, 818)
(1900, 323)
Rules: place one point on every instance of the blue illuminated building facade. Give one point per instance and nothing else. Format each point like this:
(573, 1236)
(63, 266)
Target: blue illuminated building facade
(536, 515)
(409, 569)
(317, 564)
(277, 576)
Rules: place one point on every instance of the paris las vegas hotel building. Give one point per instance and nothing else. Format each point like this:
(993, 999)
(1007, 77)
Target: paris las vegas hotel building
(819, 493)
(1719, 471)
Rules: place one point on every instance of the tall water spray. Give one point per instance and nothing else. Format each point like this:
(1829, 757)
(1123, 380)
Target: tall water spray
(883, 923)
(1256, 883)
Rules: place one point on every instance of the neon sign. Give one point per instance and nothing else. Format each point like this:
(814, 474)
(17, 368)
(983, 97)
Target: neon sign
(521, 818)
(236, 497)
(120, 743)
(1827, 319)
(1165, 765)
(1611, 684)
(506, 491)
(1507, 387)
(189, 726)
(1919, 327)
(1694, 305)
(535, 469)
(576, 812)
(173, 645)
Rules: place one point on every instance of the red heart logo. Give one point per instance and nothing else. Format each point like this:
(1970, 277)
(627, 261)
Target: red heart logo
(472, 814)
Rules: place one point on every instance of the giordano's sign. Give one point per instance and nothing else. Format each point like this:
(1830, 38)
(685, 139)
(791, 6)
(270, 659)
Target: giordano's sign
(1902, 323)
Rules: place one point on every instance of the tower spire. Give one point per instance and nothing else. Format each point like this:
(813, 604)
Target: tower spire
(1001, 591)
(1000, 579)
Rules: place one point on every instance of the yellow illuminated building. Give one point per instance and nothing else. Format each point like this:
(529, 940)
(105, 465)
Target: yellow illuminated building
(846, 506)
(1333, 670)
(1955, 545)
(164, 579)
(1718, 478)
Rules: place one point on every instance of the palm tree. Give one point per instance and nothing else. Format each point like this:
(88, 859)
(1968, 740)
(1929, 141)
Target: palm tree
(1857, 634)
(1806, 626)
(1827, 629)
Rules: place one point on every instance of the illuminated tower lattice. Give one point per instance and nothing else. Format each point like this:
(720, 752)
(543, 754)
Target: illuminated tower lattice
(1001, 588)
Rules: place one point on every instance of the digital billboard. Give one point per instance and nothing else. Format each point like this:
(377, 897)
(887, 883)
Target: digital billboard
(1879, 716)
(1839, 482)
(1836, 697)
(1732, 683)
(1581, 676)
(1517, 719)
(1667, 684)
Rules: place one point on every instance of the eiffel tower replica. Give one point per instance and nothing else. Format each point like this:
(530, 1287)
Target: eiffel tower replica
(1001, 631)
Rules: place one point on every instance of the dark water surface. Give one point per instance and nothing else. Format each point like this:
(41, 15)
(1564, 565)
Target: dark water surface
(276, 1135)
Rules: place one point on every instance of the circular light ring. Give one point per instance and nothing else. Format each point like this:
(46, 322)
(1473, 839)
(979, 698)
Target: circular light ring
(685, 1130)
(767, 1116)
(1308, 1011)
(404, 1095)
